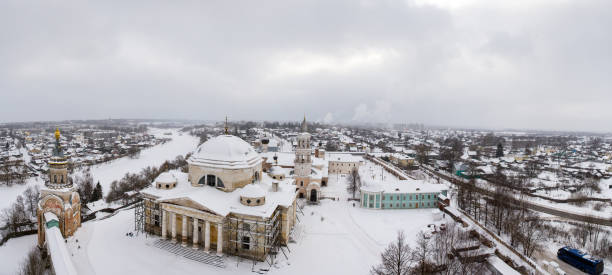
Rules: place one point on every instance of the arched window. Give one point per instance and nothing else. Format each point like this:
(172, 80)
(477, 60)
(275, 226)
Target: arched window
(202, 181)
(54, 178)
(220, 183)
(62, 179)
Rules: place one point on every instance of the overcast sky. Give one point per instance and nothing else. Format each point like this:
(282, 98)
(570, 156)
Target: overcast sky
(494, 64)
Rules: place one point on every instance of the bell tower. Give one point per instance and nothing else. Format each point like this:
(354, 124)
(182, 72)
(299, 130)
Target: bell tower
(303, 160)
(59, 197)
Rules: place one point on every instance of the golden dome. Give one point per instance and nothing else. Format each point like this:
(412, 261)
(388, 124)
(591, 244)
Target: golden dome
(57, 133)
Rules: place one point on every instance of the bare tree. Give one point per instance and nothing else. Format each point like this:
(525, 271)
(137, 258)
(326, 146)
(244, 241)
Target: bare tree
(422, 153)
(396, 259)
(532, 236)
(421, 254)
(33, 264)
(31, 197)
(354, 182)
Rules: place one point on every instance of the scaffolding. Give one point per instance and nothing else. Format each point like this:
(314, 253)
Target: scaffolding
(256, 239)
(139, 217)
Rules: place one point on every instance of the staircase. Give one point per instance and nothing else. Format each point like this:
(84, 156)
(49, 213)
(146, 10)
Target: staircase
(190, 253)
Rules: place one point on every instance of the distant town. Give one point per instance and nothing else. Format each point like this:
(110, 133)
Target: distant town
(490, 199)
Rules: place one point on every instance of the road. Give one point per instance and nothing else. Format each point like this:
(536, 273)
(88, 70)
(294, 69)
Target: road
(529, 204)
(551, 257)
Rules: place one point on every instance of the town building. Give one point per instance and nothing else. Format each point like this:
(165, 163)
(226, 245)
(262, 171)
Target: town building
(403, 194)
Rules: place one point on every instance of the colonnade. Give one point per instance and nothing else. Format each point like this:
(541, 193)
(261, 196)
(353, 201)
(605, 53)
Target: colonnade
(197, 221)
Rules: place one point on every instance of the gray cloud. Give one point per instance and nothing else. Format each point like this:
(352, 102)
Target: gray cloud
(483, 63)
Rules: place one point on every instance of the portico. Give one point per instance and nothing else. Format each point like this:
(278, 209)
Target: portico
(195, 226)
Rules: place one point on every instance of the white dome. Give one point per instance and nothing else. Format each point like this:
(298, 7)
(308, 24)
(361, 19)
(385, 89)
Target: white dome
(277, 170)
(252, 191)
(225, 151)
(165, 177)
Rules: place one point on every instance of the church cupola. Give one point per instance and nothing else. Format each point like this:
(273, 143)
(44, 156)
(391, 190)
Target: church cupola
(58, 166)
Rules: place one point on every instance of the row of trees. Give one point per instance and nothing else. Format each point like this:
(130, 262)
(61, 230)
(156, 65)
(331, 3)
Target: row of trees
(138, 181)
(21, 215)
(13, 174)
(430, 255)
(86, 189)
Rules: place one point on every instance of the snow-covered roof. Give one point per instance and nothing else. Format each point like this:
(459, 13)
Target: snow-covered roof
(402, 186)
(165, 177)
(343, 157)
(252, 191)
(225, 151)
(277, 170)
(223, 203)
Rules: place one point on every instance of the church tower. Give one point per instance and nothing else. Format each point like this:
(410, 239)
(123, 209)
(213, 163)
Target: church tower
(303, 161)
(59, 197)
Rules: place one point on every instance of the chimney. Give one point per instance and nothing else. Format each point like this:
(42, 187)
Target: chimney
(275, 186)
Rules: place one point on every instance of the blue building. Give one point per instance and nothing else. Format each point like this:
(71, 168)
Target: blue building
(404, 194)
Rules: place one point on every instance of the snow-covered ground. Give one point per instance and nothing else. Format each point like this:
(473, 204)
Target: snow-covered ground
(13, 252)
(331, 238)
(180, 144)
(9, 194)
(334, 237)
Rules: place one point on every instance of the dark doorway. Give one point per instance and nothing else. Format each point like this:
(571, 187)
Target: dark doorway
(323, 183)
(313, 195)
(301, 195)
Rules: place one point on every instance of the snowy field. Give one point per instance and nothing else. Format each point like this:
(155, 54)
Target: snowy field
(332, 238)
(107, 172)
(13, 252)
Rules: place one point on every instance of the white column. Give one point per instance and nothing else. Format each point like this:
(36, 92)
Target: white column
(219, 239)
(173, 221)
(184, 231)
(207, 236)
(164, 226)
(195, 233)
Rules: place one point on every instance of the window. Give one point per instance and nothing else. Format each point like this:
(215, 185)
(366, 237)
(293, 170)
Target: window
(220, 183)
(410, 197)
(248, 201)
(210, 180)
(55, 178)
(403, 205)
(258, 201)
(62, 178)
(398, 197)
(246, 227)
(391, 197)
(246, 242)
(397, 205)
(301, 183)
(156, 219)
(167, 186)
